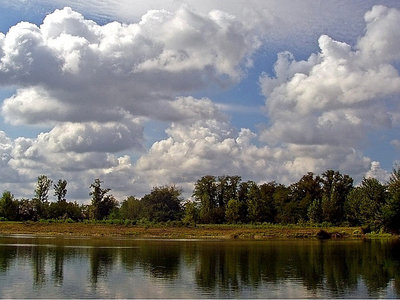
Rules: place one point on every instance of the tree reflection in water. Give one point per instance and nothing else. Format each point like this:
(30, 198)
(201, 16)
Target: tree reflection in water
(101, 262)
(331, 268)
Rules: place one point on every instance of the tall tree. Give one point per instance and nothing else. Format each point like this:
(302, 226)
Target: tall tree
(232, 211)
(205, 193)
(191, 214)
(364, 203)
(101, 202)
(60, 190)
(304, 192)
(8, 206)
(391, 210)
(335, 188)
(40, 202)
(286, 210)
(42, 188)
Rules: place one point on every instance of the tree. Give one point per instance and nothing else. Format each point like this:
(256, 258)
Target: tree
(163, 204)
(131, 208)
(102, 204)
(304, 192)
(65, 210)
(267, 191)
(364, 204)
(391, 210)
(8, 206)
(286, 210)
(314, 211)
(40, 202)
(191, 214)
(205, 192)
(232, 212)
(27, 210)
(42, 188)
(60, 190)
(335, 188)
(254, 203)
(227, 189)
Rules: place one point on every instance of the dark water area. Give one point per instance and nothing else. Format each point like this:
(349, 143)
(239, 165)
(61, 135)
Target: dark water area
(32, 267)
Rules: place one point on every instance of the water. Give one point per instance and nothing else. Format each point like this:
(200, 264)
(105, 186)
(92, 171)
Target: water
(33, 267)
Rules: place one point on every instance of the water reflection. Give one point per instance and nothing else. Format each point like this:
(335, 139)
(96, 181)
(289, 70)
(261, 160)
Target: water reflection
(133, 268)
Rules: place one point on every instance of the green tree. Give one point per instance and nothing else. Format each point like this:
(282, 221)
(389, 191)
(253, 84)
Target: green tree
(163, 204)
(65, 210)
(267, 191)
(60, 190)
(40, 201)
(205, 192)
(260, 202)
(304, 192)
(8, 206)
(42, 188)
(391, 210)
(314, 212)
(131, 208)
(191, 214)
(102, 203)
(335, 188)
(227, 189)
(286, 210)
(232, 212)
(364, 203)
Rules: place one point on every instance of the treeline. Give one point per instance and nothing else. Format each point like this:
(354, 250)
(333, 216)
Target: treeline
(329, 198)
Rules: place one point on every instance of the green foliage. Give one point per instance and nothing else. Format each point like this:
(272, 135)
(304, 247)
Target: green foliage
(131, 209)
(65, 210)
(102, 204)
(8, 206)
(42, 188)
(391, 210)
(335, 188)
(163, 204)
(285, 209)
(191, 214)
(305, 192)
(364, 204)
(314, 212)
(232, 212)
(329, 198)
(60, 190)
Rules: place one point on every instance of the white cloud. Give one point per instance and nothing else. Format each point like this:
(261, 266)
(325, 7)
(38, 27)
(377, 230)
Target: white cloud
(96, 86)
(93, 137)
(377, 172)
(72, 69)
(333, 98)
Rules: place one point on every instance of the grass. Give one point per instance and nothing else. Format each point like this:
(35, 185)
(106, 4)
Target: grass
(168, 231)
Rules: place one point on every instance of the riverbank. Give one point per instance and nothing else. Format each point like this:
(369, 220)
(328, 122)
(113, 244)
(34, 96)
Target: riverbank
(203, 231)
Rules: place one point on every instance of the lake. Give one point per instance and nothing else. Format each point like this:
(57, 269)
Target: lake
(32, 267)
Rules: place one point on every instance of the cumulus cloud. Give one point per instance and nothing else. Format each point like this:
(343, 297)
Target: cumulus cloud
(377, 172)
(81, 70)
(214, 147)
(96, 86)
(336, 96)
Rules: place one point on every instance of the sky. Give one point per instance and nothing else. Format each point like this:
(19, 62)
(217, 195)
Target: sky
(148, 93)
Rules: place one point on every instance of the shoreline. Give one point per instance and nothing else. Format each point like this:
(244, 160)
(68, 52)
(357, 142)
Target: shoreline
(201, 231)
